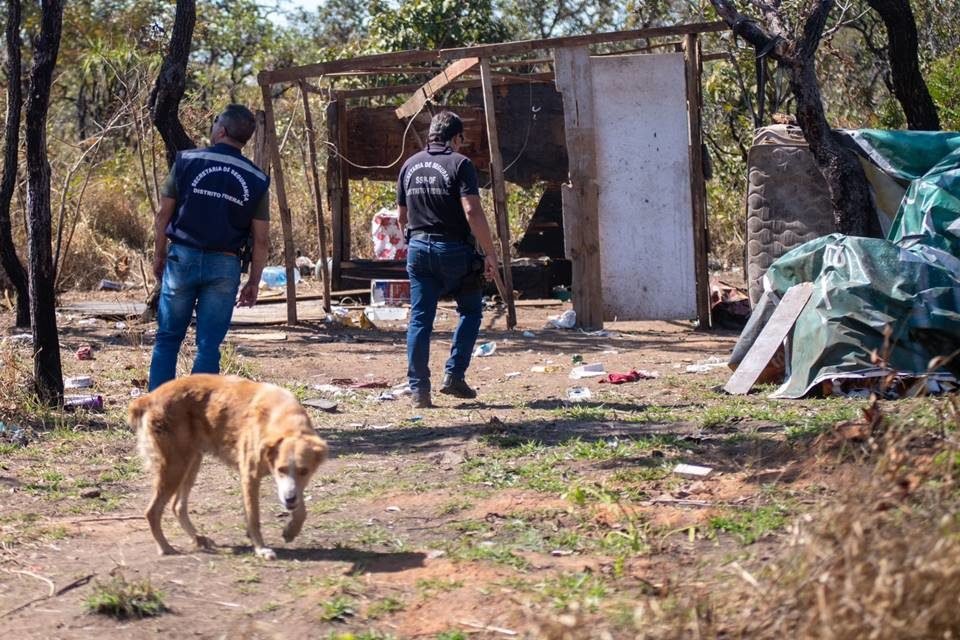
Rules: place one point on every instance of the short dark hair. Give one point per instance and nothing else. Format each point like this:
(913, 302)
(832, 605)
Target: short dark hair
(238, 121)
(444, 126)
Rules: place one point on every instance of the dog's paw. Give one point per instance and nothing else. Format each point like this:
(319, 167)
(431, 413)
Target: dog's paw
(289, 535)
(266, 554)
(203, 542)
(166, 551)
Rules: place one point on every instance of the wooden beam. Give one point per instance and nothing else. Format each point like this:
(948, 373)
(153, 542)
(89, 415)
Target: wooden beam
(415, 103)
(318, 201)
(581, 223)
(286, 223)
(292, 74)
(338, 187)
(457, 84)
(698, 190)
(261, 156)
(720, 55)
(499, 190)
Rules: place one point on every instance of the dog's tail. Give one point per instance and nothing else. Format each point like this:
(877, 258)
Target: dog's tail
(137, 417)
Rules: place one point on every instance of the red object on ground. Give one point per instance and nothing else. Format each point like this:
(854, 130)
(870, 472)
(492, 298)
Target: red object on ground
(85, 352)
(632, 376)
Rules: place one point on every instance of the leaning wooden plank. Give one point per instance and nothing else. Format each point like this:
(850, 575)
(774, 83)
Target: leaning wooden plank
(390, 90)
(427, 90)
(770, 339)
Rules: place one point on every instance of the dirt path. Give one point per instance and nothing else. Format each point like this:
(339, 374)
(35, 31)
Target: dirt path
(506, 517)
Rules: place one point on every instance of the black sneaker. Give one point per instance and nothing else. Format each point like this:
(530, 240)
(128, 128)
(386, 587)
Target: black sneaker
(457, 387)
(421, 400)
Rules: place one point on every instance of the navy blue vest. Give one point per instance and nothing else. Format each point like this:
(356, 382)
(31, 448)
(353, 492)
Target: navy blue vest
(217, 195)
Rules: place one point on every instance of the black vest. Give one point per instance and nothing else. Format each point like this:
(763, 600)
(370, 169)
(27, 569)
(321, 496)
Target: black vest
(218, 191)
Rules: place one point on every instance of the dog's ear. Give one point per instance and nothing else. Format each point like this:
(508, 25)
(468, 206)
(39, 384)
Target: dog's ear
(269, 447)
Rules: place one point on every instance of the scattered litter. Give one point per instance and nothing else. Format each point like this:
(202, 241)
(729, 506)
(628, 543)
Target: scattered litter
(485, 349)
(393, 509)
(110, 285)
(87, 322)
(416, 418)
(529, 334)
(320, 403)
(274, 277)
(328, 388)
(135, 392)
(566, 320)
(92, 402)
(578, 394)
(14, 434)
(561, 552)
(385, 314)
(84, 353)
(386, 396)
(402, 390)
(265, 336)
(19, 338)
(511, 375)
(692, 470)
(550, 368)
(433, 554)
(389, 293)
(599, 333)
(632, 376)
(79, 382)
(704, 366)
(120, 325)
(380, 427)
(610, 352)
(587, 371)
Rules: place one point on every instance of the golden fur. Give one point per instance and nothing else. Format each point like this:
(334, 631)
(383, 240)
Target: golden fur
(259, 429)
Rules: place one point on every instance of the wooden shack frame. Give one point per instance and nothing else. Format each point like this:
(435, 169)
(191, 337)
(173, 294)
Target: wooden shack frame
(463, 65)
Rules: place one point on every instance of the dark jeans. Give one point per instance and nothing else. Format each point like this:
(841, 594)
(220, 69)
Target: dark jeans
(193, 281)
(437, 269)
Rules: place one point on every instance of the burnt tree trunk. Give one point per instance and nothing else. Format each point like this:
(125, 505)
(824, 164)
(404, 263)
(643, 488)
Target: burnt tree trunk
(165, 103)
(172, 82)
(908, 84)
(11, 136)
(853, 210)
(48, 376)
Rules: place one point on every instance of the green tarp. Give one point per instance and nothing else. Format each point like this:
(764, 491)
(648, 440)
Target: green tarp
(907, 284)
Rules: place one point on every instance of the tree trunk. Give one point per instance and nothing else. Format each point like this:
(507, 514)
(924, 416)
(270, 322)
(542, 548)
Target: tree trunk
(172, 82)
(165, 103)
(849, 191)
(47, 372)
(11, 136)
(908, 84)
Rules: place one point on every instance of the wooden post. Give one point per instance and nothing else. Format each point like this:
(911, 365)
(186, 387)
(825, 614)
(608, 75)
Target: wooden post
(260, 157)
(338, 188)
(499, 189)
(321, 229)
(285, 221)
(691, 45)
(581, 222)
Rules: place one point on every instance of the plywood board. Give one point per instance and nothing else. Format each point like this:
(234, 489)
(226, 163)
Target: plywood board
(771, 337)
(643, 175)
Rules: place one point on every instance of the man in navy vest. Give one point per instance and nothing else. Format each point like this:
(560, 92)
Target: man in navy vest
(214, 200)
(438, 201)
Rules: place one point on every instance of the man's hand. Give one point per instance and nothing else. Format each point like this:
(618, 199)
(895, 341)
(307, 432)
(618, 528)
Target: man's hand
(248, 294)
(490, 267)
(159, 261)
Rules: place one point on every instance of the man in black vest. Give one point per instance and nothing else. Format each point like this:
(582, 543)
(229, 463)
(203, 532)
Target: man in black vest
(214, 200)
(439, 204)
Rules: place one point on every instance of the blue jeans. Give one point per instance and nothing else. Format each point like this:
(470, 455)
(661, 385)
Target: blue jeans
(192, 279)
(437, 269)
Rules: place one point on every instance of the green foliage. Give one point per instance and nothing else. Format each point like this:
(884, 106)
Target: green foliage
(122, 599)
(944, 85)
(750, 526)
(337, 610)
(434, 24)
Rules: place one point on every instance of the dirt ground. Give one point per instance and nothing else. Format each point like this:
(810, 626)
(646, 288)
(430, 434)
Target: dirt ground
(520, 514)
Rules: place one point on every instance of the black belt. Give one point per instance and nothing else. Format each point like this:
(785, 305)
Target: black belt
(437, 237)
